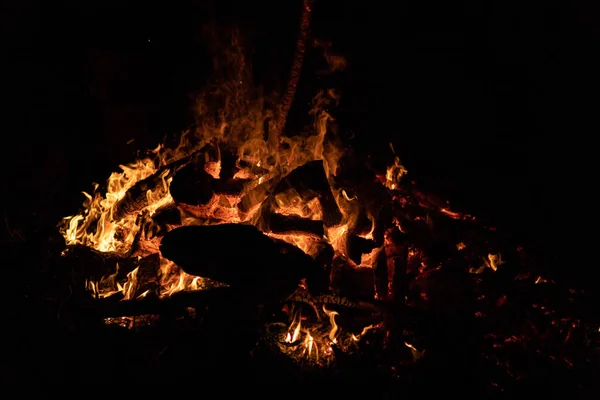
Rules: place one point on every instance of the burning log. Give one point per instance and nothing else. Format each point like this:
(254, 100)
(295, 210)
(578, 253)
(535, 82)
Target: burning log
(104, 272)
(175, 305)
(352, 282)
(396, 251)
(192, 185)
(310, 181)
(91, 264)
(380, 274)
(136, 198)
(323, 255)
(147, 276)
(261, 266)
(256, 196)
(357, 246)
(168, 215)
(298, 61)
(279, 223)
(230, 186)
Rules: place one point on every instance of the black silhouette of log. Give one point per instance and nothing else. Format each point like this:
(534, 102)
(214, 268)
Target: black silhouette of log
(310, 181)
(165, 216)
(380, 274)
(87, 264)
(242, 257)
(352, 282)
(230, 186)
(323, 256)
(357, 246)
(278, 223)
(192, 185)
(396, 250)
(159, 223)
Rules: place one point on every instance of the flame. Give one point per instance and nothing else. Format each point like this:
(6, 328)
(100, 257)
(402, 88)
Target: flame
(231, 119)
(240, 126)
(314, 343)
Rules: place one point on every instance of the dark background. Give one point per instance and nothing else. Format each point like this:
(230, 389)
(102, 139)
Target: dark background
(491, 104)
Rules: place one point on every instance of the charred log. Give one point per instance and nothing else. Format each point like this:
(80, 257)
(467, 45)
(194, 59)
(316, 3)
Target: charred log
(396, 250)
(147, 276)
(242, 257)
(380, 274)
(252, 169)
(136, 198)
(352, 282)
(323, 256)
(176, 305)
(310, 181)
(375, 212)
(230, 186)
(298, 61)
(279, 223)
(257, 195)
(165, 216)
(357, 246)
(105, 269)
(87, 263)
(192, 185)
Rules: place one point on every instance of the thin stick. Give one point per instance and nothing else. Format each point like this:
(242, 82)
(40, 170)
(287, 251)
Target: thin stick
(288, 97)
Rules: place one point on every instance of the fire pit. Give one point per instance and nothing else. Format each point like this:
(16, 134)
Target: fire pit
(244, 246)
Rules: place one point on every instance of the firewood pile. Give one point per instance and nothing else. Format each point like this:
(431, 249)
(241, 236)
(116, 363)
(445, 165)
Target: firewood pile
(410, 286)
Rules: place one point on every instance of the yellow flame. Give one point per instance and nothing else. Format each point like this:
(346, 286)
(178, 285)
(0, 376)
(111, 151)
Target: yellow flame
(232, 117)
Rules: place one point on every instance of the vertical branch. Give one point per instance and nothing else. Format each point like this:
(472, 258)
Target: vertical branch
(298, 60)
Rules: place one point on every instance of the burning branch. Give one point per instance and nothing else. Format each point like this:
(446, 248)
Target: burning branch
(298, 61)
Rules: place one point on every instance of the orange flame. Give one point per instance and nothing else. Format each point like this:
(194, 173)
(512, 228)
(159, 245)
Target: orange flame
(239, 127)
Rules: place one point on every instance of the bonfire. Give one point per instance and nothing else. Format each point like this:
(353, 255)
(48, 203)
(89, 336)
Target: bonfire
(353, 256)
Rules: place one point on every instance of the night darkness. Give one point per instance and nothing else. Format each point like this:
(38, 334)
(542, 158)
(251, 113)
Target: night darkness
(491, 104)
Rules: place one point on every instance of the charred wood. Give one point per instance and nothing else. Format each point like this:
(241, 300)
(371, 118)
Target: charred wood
(175, 305)
(136, 198)
(257, 195)
(298, 61)
(230, 186)
(105, 269)
(192, 185)
(323, 256)
(242, 257)
(279, 223)
(164, 217)
(375, 213)
(310, 181)
(352, 282)
(227, 159)
(380, 275)
(396, 251)
(253, 170)
(87, 263)
(147, 276)
(357, 246)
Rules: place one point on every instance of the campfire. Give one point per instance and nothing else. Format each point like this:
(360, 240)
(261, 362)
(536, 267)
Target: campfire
(344, 258)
